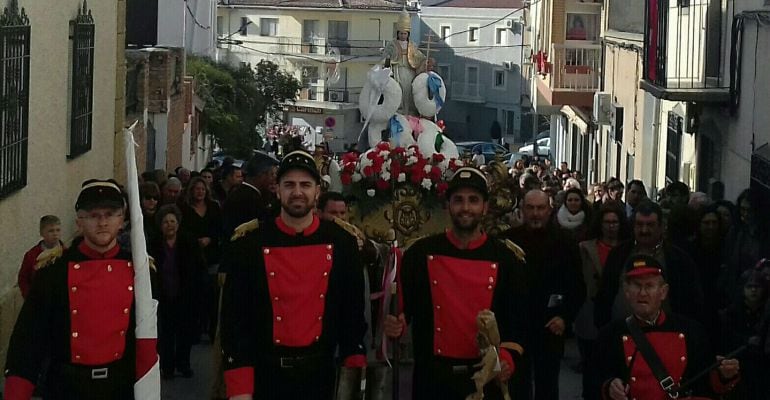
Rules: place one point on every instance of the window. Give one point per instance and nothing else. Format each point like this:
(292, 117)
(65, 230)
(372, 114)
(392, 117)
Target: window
(244, 29)
(445, 32)
(472, 75)
(309, 76)
(220, 25)
(673, 146)
(83, 35)
(499, 79)
(338, 36)
(268, 26)
(14, 110)
(500, 36)
(582, 27)
(683, 3)
(310, 30)
(473, 34)
(445, 72)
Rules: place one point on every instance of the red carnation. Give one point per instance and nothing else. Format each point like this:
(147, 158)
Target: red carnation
(382, 184)
(372, 155)
(438, 157)
(350, 158)
(441, 188)
(398, 150)
(383, 146)
(435, 173)
(368, 170)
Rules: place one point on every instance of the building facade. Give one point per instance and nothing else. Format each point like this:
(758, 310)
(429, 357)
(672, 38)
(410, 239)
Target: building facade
(479, 56)
(189, 24)
(60, 129)
(330, 46)
(566, 60)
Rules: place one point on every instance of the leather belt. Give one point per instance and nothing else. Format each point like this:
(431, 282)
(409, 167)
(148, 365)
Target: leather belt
(297, 361)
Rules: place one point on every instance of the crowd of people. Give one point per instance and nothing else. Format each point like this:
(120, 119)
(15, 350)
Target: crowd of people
(576, 262)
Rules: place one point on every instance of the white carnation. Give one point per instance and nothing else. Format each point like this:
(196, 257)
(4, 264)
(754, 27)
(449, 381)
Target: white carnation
(402, 177)
(370, 192)
(357, 177)
(411, 160)
(384, 153)
(365, 162)
(385, 176)
(426, 183)
(427, 168)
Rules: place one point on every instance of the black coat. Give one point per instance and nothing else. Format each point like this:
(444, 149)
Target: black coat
(208, 225)
(192, 270)
(554, 269)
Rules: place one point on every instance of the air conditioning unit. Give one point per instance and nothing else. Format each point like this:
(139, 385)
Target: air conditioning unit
(336, 96)
(508, 65)
(602, 107)
(509, 23)
(616, 123)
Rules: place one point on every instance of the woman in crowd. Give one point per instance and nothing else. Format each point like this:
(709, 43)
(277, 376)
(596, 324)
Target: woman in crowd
(181, 271)
(706, 250)
(202, 220)
(574, 214)
(745, 322)
(149, 196)
(608, 228)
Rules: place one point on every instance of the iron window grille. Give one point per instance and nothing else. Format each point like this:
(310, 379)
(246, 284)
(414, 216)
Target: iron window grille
(14, 98)
(81, 116)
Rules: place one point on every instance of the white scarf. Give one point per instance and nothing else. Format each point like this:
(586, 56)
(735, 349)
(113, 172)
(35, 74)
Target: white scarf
(568, 220)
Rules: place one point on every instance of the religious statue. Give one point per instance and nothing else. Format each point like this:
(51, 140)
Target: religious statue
(406, 61)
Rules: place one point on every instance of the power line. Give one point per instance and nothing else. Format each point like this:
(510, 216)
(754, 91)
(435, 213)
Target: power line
(495, 21)
(195, 20)
(379, 47)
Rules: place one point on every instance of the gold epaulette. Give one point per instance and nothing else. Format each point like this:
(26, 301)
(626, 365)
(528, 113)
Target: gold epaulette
(47, 257)
(409, 242)
(244, 228)
(515, 249)
(350, 228)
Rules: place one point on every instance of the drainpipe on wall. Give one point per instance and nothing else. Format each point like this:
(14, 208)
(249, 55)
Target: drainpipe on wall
(653, 188)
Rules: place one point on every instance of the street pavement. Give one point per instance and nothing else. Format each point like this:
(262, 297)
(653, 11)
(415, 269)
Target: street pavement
(199, 386)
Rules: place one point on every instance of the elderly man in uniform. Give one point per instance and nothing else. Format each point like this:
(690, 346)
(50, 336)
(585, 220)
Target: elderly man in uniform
(80, 312)
(293, 297)
(448, 279)
(651, 339)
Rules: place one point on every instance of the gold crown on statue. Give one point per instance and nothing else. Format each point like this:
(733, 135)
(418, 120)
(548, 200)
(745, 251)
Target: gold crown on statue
(404, 23)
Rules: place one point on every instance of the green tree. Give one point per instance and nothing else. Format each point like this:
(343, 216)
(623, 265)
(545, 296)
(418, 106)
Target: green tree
(238, 99)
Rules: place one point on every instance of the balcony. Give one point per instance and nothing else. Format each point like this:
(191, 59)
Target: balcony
(571, 76)
(683, 51)
(364, 50)
(468, 93)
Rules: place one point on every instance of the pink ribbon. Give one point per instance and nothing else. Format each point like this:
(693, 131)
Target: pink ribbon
(415, 124)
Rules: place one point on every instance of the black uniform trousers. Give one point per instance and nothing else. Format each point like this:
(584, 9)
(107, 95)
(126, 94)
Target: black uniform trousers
(448, 379)
(542, 365)
(76, 382)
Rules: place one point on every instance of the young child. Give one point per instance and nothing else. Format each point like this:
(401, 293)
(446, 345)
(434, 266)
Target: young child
(50, 231)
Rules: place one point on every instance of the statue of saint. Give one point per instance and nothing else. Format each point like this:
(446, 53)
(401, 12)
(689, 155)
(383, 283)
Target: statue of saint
(406, 62)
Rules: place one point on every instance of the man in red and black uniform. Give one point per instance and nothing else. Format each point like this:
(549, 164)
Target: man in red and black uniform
(681, 344)
(447, 279)
(80, 312)
(293, 296)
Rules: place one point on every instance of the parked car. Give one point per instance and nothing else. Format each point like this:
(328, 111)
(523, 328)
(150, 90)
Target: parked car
(543, 147)
(488, 149)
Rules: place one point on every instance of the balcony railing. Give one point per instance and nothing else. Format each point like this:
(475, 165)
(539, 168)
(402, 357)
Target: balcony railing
(683, 50)
(575, 67)
(468, 92)
(323, 46)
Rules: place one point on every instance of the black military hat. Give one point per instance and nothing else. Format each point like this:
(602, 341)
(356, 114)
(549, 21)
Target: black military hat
(259, 163)
(468, 177)
(298, 159)
(96, 193)
(643, 265)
